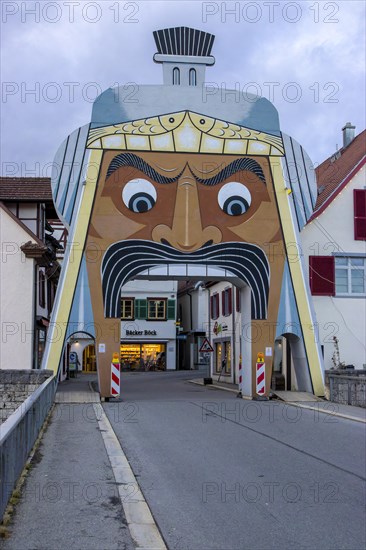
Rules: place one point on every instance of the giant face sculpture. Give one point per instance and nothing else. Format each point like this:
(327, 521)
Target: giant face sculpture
(183, 189)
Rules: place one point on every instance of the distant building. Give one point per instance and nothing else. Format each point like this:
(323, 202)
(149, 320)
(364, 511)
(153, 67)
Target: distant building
(334, 248)
(148, 325)
(29, 269)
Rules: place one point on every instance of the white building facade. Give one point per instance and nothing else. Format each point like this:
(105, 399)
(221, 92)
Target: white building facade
(334, 249)
(148, 325)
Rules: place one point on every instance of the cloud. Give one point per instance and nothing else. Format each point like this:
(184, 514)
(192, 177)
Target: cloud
(81, 57)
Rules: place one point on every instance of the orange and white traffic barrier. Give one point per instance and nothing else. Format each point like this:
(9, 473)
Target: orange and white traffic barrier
(115, 376)
(261, 374)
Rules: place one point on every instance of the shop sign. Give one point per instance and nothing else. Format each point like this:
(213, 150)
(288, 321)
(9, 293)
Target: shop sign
(141, 333)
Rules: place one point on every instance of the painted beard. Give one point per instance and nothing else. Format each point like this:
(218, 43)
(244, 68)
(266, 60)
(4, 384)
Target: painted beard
(125, 260)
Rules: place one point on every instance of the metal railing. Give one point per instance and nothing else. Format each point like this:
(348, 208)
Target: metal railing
(18, 434)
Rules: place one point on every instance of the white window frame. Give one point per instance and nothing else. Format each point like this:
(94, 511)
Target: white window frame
(349, 268)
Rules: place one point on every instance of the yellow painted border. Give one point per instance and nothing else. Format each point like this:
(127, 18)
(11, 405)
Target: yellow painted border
(302, 299)
(76, 249)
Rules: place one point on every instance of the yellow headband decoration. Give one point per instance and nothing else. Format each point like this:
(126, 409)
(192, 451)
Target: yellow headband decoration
(185, 132)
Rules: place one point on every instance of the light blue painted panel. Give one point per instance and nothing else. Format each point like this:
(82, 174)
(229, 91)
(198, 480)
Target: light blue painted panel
(78, 173)
(81, 316)
(293, 181)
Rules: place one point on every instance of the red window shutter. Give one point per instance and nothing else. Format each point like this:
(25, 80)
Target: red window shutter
(223, 302)
(359, 204)
(322, 275)
(230, 299)
(237, 299)
(212, 306)
(217, 305)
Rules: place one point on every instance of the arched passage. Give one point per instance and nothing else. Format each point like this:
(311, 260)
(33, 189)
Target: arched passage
(76, 359)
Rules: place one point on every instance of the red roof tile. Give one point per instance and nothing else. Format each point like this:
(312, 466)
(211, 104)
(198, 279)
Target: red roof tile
(335, 172)
(25, 189)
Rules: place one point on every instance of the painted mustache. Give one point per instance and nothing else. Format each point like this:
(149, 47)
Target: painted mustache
(124, 260)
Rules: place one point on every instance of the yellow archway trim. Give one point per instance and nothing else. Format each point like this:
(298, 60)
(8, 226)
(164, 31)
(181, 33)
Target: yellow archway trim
(67, 285)
(298, 279)
(188, 132)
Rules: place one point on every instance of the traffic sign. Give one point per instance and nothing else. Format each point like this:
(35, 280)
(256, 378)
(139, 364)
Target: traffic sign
(206, 346)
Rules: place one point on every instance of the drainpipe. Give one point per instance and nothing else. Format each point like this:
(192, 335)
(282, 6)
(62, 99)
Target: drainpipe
(197, 286)
(233, 296)
(34, 316)
(190, 306)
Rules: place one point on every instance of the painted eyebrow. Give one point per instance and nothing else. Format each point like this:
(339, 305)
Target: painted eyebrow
(232, 168)
(129, 159)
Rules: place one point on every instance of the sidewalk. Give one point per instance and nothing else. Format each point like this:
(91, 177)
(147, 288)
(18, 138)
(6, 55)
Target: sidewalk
(77, 390)
(348, 412)
(72, 495)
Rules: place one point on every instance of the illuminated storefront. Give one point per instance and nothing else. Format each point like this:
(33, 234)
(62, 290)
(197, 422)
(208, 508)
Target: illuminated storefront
(148, 325)
(137, 356)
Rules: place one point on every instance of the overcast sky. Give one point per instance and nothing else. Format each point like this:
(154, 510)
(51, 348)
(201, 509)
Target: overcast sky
(307, 57)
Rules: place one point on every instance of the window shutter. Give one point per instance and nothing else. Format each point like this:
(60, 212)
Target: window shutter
(223, 302)
(171, 310)
(237, 299)
(322, 275)
(230, 301)
(359, 205)
(217, 306)
(140, 309)
(212, 306)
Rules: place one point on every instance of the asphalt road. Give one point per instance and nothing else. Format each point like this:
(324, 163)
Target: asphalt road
(223, 473)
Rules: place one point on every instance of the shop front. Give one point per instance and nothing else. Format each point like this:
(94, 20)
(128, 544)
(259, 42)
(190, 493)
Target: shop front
(143, 355)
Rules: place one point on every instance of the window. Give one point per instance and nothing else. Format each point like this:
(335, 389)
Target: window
(350, 276)
(127, 308)
(321, 274)
(223, 357)
(215, 307)
(218, 355)
(359, 205)
(176, 76)
(228, 357)
(156, 308)
(41, 289)
(226, 302)
(192, 77)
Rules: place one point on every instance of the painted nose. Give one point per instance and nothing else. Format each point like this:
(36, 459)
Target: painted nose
(187, 233)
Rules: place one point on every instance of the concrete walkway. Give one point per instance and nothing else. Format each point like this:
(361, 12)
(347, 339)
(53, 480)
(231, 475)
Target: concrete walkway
(80, 492)
(77, 390)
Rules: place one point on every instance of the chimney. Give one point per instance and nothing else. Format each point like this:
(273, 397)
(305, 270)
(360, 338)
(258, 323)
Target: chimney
(184, 54)
(348, 134)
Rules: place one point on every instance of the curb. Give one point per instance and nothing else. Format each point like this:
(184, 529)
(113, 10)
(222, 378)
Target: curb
(329, 413)
(293, 404)
(216, 387)
(143, 529)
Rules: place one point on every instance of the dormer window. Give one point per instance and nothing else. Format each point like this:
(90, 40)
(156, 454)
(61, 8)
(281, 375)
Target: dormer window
(192, 77)
(176, 76)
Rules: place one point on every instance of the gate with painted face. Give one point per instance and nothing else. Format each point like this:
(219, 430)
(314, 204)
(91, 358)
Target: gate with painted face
(178, 182)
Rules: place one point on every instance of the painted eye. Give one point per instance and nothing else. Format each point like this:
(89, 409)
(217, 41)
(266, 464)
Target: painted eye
(139, 195)
(234, 198)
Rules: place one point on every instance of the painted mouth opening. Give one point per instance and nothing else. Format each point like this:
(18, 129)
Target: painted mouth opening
(125, 260)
